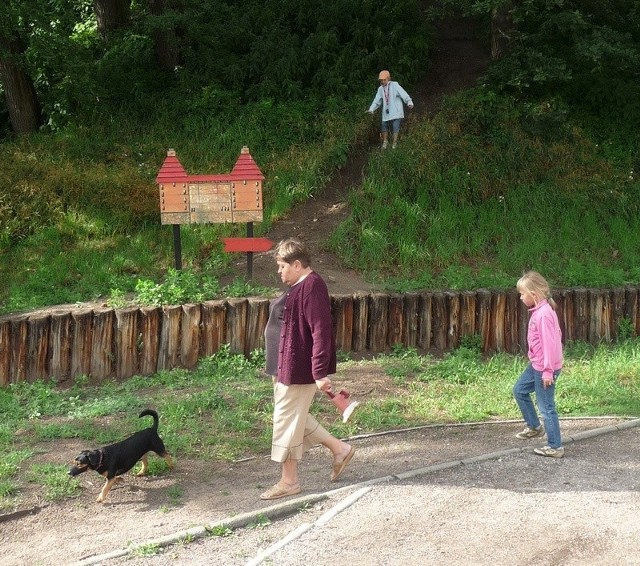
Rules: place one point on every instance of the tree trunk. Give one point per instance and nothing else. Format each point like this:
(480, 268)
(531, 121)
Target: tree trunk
(501, 29)
(20, 93)
(164, 39)
(111, 15)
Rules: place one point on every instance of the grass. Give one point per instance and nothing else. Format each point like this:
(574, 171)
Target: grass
(220, 531)
(222, 410)
(147, 550)
(468, 200)
(57, 484)
(80, 220)
(463, 206)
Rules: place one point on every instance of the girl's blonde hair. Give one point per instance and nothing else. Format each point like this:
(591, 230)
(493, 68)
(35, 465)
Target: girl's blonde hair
(537, 285)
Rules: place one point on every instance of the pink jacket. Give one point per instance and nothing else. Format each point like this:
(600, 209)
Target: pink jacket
(545, 339)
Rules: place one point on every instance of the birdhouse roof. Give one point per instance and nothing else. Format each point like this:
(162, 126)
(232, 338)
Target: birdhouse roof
(172, 170)
(245, 169)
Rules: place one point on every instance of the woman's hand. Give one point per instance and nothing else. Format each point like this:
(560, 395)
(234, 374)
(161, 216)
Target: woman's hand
(324, 384)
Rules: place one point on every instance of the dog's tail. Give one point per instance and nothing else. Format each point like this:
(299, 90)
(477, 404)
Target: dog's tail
(151, 413)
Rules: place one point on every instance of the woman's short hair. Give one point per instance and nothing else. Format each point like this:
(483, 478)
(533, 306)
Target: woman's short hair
(290, 250)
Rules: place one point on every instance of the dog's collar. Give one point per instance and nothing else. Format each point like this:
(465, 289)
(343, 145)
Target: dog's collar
(101, 458)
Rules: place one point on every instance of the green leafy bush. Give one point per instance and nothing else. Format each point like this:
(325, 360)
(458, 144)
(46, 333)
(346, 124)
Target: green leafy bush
(179, 287)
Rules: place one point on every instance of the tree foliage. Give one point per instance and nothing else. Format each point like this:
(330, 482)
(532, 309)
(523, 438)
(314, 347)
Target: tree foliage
(584, 52)
(84, 58)
(94, 56)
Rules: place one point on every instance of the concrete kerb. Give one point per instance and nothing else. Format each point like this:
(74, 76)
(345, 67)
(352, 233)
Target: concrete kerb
(278, 511)
(292, 506)
(590, 433)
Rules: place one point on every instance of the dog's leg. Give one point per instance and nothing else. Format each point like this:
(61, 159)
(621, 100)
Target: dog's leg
(145, 466)
(168, 459)
(105, 490)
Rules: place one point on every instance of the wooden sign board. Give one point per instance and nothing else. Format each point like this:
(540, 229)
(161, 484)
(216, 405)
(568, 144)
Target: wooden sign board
(216, 199)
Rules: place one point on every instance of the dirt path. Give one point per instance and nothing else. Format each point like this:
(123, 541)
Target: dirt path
(502, 502)
(514, 510)
(457, 61)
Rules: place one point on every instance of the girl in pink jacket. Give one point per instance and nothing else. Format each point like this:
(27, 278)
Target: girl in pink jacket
(545, 362)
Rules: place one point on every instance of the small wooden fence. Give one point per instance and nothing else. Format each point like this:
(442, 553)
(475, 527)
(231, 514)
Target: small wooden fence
(119, 343)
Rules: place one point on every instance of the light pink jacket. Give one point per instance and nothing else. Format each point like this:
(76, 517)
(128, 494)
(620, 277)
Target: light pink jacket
(545, 339)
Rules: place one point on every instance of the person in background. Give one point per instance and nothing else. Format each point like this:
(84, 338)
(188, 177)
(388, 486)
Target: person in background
(300, 355)
(391, 96)
(544, 339)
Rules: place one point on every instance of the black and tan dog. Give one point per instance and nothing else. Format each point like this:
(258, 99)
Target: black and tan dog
(116, 459)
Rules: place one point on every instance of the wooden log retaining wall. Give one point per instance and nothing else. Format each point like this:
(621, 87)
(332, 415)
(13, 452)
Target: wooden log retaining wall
(118, 343)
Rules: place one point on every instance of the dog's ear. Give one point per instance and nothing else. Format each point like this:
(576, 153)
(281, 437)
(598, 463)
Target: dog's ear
(82, 458)
(94, 457)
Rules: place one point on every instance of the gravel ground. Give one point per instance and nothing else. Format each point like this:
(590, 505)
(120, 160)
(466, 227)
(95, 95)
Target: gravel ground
(442, 495)
(514, 510)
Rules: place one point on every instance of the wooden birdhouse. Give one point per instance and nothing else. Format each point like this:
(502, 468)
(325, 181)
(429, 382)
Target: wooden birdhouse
(198, 199)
